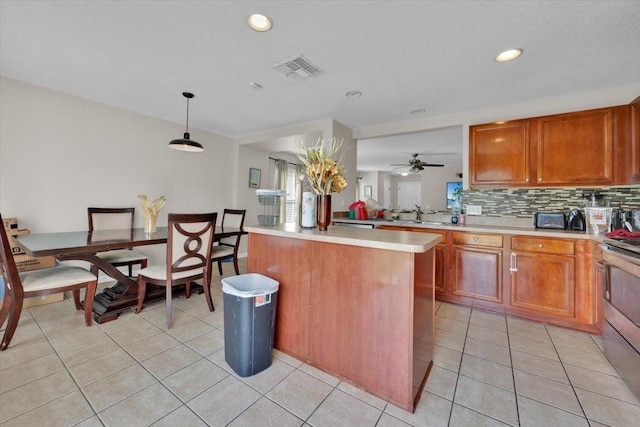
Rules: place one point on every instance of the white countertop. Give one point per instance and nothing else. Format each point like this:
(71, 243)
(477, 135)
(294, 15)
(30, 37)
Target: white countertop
(526, 231)
(402, 241)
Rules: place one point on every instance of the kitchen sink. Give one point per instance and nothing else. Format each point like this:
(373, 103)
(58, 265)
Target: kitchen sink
(401, 221)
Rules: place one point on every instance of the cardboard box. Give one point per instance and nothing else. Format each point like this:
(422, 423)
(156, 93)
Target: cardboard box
(10, 224)
(34, 301)
(47, 299)
(26, 263)
(15, 249)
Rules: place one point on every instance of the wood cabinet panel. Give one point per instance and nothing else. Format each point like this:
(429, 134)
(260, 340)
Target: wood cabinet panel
(544, 283)
(543, 245)
(592, 147)
(499, 154)
(442, 260)
(575, 148)
(363, 314)
(270, 254)
(476, 239)
(477, 273)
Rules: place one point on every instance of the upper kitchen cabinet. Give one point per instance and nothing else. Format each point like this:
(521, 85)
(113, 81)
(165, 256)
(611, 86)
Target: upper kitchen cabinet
(499, 154)
(573, 149)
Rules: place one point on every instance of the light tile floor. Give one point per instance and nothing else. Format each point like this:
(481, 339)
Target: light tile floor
(489, 370)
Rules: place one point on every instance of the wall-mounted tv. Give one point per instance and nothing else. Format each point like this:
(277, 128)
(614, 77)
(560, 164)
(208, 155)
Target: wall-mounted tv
(451, 187)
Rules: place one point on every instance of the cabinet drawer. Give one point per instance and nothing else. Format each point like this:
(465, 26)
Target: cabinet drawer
(442, 234)
(542, 245)
(475, 239)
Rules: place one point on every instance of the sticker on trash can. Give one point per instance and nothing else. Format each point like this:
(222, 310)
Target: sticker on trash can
(262, 300)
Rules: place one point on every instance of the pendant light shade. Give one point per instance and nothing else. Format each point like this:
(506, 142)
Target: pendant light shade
(185, 143)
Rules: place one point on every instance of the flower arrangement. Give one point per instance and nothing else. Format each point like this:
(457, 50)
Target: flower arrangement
(151, 211)
(324, 169)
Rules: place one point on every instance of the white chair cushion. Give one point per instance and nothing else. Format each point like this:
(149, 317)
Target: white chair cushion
(159, 272)
(121, 255)
(54, 278)
(221, 251)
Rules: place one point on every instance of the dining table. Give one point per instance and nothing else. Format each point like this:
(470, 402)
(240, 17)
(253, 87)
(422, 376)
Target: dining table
(84, 245)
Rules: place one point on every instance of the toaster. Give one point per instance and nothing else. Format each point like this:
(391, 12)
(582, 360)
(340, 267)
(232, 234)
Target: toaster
(555, 220)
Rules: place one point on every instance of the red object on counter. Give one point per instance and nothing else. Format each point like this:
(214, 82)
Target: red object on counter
(363, 212)
(623, 233)
(356, 205)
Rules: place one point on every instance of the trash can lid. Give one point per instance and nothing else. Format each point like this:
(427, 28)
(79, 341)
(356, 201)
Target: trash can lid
(249, 285)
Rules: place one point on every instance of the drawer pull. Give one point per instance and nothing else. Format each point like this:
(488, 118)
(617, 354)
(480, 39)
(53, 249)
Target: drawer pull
(513, 264)
(541, 245)
(475, 239)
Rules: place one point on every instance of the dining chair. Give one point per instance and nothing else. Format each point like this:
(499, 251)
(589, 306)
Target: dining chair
(189, 242)
(227, 248)
(42, 282)
(115, 218)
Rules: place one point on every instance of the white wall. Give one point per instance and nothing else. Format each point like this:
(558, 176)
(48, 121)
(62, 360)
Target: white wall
(60, 154)
(434, 186)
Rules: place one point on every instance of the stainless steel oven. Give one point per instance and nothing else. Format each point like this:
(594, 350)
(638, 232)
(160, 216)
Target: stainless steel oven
(622, 310)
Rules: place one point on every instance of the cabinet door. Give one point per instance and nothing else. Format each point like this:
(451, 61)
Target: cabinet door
(598, 286)
(477, 273)
(499, 154)
(575, 148)
(441, 268)
(543, 283)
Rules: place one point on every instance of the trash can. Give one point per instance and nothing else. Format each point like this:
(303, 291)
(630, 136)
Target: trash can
(250, 302)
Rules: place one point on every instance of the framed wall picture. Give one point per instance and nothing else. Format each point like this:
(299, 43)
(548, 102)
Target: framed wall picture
(254, 178)
(367, 191)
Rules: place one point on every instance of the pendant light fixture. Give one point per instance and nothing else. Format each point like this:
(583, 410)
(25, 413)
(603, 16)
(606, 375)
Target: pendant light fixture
(186, 144)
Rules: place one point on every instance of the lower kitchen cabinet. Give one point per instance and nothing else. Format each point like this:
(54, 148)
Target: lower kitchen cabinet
(551, 281)
(476, 269)
(547, 279)
(543, 283)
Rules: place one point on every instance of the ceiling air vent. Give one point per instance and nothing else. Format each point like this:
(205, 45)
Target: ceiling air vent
(297, 68)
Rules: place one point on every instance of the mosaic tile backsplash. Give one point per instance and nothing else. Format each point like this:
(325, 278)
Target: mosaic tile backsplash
(524, 203)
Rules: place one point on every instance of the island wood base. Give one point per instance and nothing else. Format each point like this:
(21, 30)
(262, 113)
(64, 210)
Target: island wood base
(362, 314)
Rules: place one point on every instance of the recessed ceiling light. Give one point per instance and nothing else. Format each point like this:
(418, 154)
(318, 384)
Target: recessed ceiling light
(353, 94)
(418, 111)
(259, 22)
(508, 55)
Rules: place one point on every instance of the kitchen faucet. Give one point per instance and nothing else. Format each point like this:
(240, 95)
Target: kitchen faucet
(419, 212)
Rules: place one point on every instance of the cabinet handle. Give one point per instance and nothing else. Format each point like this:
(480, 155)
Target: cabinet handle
(475, 239)
(541, 245)
(513, 264)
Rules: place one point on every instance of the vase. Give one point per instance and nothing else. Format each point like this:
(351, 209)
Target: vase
(323, 211)
(150, 223)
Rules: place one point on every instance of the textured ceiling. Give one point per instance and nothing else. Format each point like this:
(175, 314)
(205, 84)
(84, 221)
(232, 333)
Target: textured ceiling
(403, 55)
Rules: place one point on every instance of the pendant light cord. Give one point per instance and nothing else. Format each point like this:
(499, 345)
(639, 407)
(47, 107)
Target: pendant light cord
(187, 130)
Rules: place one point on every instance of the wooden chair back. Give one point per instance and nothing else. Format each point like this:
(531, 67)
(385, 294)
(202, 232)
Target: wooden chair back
(189, 241)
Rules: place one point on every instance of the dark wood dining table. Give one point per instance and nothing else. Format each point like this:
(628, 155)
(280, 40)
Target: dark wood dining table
(83, 246)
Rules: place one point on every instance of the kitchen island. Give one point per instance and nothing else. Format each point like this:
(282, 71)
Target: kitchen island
(356, 303)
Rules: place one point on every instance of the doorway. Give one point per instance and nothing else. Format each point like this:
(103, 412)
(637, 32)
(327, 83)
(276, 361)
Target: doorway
(409, 195)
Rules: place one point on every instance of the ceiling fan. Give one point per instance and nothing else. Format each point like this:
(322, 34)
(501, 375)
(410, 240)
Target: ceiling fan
(416, 165)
